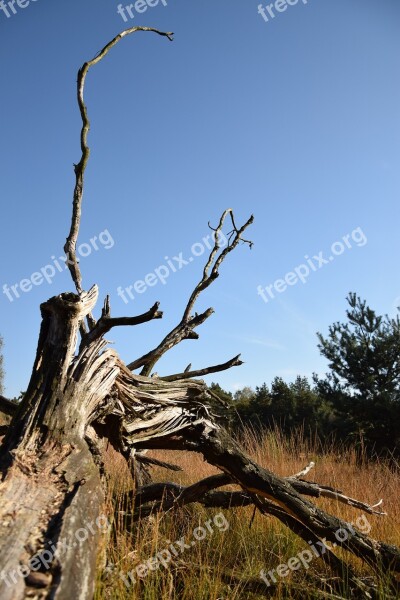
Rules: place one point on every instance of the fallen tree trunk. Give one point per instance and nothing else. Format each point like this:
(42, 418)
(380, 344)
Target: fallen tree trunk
(51, 486)
(52, 483)
(81, 394)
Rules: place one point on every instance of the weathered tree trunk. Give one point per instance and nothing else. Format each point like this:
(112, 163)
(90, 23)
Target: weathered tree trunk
(51, 483)
(52, 486)
(50, 459)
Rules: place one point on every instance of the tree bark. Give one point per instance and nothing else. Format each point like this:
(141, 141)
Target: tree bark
(50, 484)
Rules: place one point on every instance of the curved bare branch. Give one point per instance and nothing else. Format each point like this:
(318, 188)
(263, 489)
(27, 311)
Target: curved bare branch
(70, 244)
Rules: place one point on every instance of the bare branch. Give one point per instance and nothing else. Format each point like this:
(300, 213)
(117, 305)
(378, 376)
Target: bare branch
(184, 329)
(234, 362)
(304, 471)
(267, 507)
(147, 460)
(369, 508)
(106, 322)
(190, 493)
(215, 260)
(306, 487)
(70, 244)
(167, 496)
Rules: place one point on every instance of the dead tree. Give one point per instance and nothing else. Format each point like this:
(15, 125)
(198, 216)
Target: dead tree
(81, 393)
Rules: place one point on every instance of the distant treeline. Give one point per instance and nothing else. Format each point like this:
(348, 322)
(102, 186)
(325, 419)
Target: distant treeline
(357, 403)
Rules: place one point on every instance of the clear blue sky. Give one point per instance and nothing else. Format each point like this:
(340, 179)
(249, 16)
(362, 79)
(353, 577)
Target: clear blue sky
(295, 120)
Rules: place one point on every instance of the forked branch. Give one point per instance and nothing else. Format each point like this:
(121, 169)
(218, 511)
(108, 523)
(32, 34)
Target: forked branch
(195, 493)
(106, 322)
(210, 272)
(185, 328)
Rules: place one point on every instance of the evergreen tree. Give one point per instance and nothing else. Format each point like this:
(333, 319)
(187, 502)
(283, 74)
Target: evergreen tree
(221, 393)
(364, 383)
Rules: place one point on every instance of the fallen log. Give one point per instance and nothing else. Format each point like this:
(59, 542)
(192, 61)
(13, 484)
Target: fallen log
(81, 395)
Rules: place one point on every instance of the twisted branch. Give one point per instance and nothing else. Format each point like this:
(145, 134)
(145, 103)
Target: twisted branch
(70, 244)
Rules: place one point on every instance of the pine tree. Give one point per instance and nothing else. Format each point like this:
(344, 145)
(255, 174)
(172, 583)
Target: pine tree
(364, 383)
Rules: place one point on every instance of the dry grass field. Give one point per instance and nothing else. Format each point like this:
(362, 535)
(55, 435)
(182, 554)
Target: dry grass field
(226, 563)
